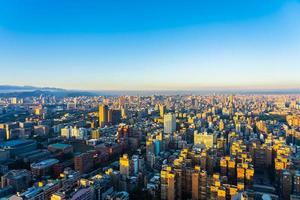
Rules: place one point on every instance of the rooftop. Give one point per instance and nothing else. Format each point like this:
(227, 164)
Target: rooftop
(14, 143)
(45, 163)
(59, 145)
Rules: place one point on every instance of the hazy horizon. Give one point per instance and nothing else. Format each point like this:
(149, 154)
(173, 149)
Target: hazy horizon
(28, 88)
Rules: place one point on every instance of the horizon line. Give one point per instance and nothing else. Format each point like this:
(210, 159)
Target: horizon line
(213, 88)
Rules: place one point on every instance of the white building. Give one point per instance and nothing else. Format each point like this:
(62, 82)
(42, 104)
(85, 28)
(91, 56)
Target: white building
(169, 123)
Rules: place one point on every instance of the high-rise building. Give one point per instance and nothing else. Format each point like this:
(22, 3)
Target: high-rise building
(103, 115)
(199, 184)
(167, 184)
(169, 123)
(124, 165)
(114, 116)
(157, 145)
(162, 110)
(123, 112)
(149, 146)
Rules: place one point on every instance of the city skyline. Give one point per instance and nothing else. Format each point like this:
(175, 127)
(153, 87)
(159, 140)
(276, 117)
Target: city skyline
(151, 46)
(153, 100)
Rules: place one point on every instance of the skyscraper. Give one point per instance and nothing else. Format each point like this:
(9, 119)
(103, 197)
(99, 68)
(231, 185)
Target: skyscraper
(169, 123)
(124, 165)
(162, 110)
(116, 116)
(199, 184)
(167, 184)
(103, 115)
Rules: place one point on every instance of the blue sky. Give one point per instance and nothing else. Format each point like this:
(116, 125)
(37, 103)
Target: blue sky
(127, 45)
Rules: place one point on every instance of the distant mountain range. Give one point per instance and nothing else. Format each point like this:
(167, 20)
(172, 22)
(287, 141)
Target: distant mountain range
(13, 88)
(27, 91)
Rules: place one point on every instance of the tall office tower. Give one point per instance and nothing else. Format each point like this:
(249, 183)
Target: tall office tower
(169, 123)
(150, 156)
(157, 146)
(149, 146)
(103, 115)
(162, 110)
(83, 162)
(199, 184)
(167, 184)
(124, 165)
(116, 116)
(123, 112)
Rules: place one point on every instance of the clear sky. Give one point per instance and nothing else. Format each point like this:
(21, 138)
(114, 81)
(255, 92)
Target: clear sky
(150, 44)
